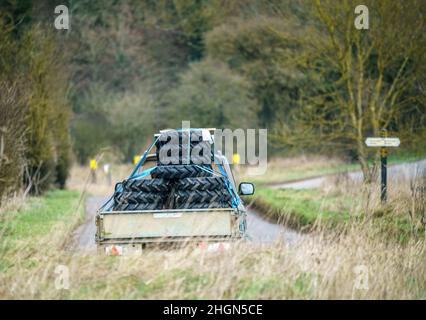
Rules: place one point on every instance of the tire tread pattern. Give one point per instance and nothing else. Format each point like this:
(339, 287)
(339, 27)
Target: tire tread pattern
(173, 172)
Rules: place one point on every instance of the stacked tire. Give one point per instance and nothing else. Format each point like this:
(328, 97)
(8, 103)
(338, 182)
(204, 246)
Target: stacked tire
(176, 172)
(172, 149)
(141, 194)
(178, 185)
(201, 193)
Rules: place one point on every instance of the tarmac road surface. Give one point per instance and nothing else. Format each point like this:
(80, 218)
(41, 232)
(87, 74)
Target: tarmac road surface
(260, 230)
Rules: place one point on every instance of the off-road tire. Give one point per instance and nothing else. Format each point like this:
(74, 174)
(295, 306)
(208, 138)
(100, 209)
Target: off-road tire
(206, 196)
(139, 197)
(176, 155)
(202, 205)
(146, 185)
(140, 206)
(180, 171)
(201, 183)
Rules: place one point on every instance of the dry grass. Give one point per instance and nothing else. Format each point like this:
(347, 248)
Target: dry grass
(304, 162)
(80, 179)
(287, 169)
(344, 200)
(350, 266)
(404, 210)
(356, 262)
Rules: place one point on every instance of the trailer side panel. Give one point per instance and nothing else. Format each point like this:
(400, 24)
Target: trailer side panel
(218, 222)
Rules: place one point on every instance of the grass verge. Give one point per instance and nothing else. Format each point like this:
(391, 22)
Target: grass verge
(324, 265)
(41, 225)
(301, 209)
(283, 170)
(346, 202)
(40, 215)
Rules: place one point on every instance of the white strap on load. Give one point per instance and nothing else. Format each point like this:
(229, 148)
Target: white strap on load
(207, 136)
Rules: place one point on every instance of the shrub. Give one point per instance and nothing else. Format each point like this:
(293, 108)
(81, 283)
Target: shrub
(34, 117)
(12, 138)
(211, 95)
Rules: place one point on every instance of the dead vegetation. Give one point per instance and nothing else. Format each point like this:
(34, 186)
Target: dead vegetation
(363, 260)
(350, 266)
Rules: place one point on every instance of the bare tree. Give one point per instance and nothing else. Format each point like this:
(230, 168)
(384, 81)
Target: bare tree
(364, 79)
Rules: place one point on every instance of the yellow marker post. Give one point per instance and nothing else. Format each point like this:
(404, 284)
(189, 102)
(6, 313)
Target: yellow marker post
(236, 158)
(93, 167)
(136, 159)
(93, 164)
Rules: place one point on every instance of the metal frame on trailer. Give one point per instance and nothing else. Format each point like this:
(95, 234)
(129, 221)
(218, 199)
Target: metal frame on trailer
(107, 206)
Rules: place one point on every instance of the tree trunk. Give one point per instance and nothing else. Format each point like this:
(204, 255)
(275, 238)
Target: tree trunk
(362, 158)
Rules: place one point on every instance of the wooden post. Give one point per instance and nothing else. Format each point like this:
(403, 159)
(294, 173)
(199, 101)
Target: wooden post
(384, 164)
(107, 170)
(383, 142)
(93, 167)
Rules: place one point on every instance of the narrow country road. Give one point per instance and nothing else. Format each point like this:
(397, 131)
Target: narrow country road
(260, 231)
(84, 235)
(394, 171)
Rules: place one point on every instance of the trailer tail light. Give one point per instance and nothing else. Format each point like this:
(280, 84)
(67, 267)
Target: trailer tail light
(214, 247)
(114, 250)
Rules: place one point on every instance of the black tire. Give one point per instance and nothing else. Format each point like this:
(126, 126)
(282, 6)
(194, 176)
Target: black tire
(139, 197)
(205, 196)
(173, 156)
(177, 137)
(202, 183)
(139, 206)
(199, 153)
(147, 185)
(180, 172)
(203, 205)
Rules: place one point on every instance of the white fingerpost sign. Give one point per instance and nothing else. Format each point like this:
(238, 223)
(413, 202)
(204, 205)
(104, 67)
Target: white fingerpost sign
(382, 142)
